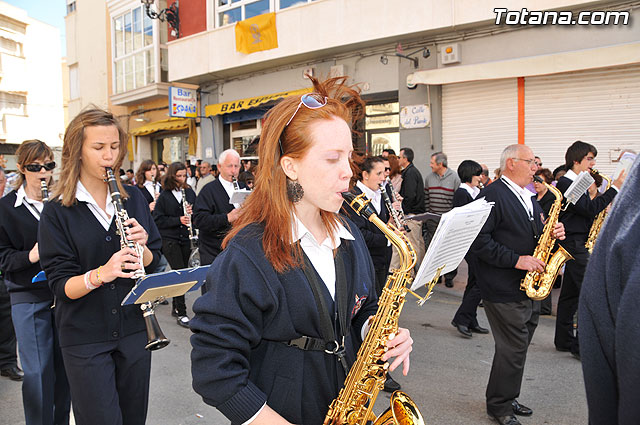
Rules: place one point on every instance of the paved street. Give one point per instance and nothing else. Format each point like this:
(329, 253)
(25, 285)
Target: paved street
(447, 379)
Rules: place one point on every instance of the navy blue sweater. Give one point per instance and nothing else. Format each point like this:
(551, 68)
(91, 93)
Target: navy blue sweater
(18, 234)
(609, 314)
(167, 215)
(72, 241)
(506, 235)
(238, 360)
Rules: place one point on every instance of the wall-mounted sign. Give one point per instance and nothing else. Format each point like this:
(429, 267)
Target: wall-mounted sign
(183, 103)
(415, 116)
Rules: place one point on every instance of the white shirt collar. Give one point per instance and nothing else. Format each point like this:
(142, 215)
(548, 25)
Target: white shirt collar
(571, 175)
(177, 193)
(83, 195)
(373, 195)
(228, 187)
(300, 231)
(524, 196)
(34, 206)
(472, 190)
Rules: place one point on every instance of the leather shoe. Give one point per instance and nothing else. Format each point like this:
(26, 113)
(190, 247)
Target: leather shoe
(520, 409)
(183, 321)
(478, 329)
(14, 373)
(390, 385)
(464, 330)
(506, 420)
(448, 283)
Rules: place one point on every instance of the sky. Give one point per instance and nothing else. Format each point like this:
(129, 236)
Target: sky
(51, 12)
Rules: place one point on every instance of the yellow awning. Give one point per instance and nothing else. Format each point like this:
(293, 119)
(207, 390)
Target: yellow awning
(250, 102)
(170, 124)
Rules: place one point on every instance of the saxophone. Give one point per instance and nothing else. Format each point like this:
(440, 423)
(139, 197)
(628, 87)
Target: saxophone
(598, 221)
(538, 285)
(367, 375)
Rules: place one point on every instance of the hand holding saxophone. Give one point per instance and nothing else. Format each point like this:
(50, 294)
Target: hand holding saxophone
(399, 347)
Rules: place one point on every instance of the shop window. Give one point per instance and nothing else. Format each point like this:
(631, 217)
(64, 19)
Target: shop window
(136, 52)
(242, 136)
(231, 11)
(170, 148)
(382, 127)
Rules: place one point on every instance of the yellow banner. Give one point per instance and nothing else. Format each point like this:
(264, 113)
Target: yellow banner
(257, 34)
(250, 102)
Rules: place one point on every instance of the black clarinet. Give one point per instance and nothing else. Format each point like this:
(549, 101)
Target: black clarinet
(155, 337)
(44, 189)
(397, 221)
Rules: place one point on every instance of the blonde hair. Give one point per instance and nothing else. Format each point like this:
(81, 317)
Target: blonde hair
(28, 152)
(72, 149)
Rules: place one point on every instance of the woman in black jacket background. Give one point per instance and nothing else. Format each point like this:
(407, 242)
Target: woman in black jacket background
(172, 223)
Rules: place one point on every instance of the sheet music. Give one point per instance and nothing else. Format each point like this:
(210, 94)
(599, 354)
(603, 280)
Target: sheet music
(625, 163)
(579, 187)
(238, 196)
(456, 232)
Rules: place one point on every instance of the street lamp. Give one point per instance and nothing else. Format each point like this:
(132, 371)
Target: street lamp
(170, 14)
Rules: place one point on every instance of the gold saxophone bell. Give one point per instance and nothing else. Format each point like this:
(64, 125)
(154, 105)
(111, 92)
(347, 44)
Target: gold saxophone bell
(403, 411)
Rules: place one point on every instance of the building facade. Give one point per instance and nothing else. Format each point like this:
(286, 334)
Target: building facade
(454, 76)
(31, 104)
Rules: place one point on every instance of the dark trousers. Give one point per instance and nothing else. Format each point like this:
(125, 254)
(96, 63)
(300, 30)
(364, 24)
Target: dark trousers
(109, 380)
(381, 279)
(512, 325)
(569, 295)
(45, 390)
(177, 255)
(467, 312)
(8, 357)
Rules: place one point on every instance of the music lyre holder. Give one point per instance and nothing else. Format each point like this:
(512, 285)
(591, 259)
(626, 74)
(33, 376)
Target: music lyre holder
(152, 289)
(429, 285)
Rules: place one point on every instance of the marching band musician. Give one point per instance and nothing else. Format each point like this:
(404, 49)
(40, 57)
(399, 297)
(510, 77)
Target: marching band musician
(147, 183)
(258, 347)
(89, 273)
(45, 390)
(577, 220)
(503, 251)
(212, 212)
(172, 223)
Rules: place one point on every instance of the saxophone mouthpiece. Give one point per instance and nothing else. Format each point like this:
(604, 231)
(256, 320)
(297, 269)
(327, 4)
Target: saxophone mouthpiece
(360, 204)
(537, 179)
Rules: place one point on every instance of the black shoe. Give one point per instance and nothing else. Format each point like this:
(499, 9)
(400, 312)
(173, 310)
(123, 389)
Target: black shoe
(520, 409)
(477, 329)
(448, 283)
(183, 321)
(480, 304)
(464, 330)
(390, 385)
(14, 373)
(176, 313)
(506, 420)
(576, 355)
(562, 349)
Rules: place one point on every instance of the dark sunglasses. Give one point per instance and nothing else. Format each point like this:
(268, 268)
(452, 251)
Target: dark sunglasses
(387, 168)
(35, 168)
(311, 101)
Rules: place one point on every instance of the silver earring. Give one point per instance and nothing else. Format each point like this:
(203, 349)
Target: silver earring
(294, 190)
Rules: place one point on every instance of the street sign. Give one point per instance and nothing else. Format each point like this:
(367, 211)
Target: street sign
(183, 102)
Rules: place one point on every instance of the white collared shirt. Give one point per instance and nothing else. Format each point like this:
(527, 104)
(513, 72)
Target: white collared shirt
(34, 206)
(149, 185)
(523, 195)
(373, 195)
(105, 218)
(177, 193)
(473, 191)
(321, 254)
(228, 187)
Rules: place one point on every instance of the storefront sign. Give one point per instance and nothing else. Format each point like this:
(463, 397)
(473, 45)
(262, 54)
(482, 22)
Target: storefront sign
(415, 116)
(183, 102)
(248, 103)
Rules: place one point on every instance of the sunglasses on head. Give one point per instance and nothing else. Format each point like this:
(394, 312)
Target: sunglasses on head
(35, 168)
(311, 101)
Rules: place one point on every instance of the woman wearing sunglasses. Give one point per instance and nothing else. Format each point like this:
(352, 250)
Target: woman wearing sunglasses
(45, 391)
(102, 342)
(267, 346)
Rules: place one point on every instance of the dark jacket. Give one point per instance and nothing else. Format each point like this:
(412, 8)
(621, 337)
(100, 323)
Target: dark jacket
(412, 190)
(461, 197)
(609, 314)
(577, 219)
(18, 234)
(374, 238)
(72, 242)
(167, 215)
(507, 234)
(210, 217)
(546, 202)
(239, 360)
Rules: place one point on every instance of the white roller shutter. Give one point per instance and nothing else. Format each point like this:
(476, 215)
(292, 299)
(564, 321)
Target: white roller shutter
(601, 107)
(479, 119)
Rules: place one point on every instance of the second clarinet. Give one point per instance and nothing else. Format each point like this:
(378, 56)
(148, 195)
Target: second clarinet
(398, 221)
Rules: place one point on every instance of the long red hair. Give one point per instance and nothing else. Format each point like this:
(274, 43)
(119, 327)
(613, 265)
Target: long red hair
(268, 203)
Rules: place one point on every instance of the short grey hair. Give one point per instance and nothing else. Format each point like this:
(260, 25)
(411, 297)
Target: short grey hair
(223, 156)
(510, 151)
(441, 158)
